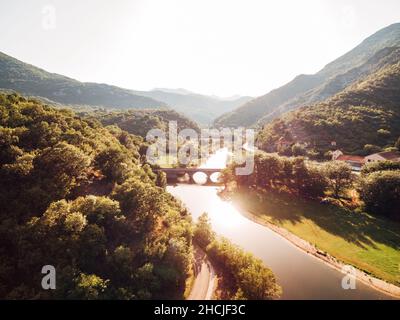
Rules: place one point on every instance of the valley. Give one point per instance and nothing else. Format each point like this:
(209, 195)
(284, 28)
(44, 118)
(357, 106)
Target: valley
(170, 194)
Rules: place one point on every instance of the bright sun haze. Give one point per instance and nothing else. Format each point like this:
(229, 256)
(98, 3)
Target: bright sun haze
(222, 47)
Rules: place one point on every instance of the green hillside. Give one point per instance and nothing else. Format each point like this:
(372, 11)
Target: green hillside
(32, 81)
(329, 88)
(308, 89)
(367, 112)
(57, 89)
(75, 195)
(140, 122)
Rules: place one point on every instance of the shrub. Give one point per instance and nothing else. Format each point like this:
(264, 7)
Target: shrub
(380, 192)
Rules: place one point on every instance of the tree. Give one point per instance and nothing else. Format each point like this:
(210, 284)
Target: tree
(227, 175)
(298, 150)
(339, 176)
(57, 171)
(380, 166)
(203, 234)
(89, 287)
(113, 162)
(244, 275)
(141, 203)
(370, 149)
(161, 180)
(380, 192)
(268, 170)
(315, 183)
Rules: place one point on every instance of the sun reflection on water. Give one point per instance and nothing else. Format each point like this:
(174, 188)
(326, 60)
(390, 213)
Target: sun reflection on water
(217, 160)
(224, 215)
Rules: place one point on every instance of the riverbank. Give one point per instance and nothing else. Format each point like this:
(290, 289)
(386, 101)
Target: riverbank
(300, 275)
(310, 248)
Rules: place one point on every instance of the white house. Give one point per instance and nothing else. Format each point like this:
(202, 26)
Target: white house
(336, 154)
(355, 162)
(382, 156)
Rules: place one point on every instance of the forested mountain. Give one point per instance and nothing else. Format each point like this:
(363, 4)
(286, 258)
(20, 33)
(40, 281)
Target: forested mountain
(201, 108)
(140, 122)
(307, 89)
(75, 195)
(365, 113)
(33, 81)
(337, 83)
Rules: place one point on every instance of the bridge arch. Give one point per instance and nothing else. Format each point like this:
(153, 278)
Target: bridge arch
(174, 173)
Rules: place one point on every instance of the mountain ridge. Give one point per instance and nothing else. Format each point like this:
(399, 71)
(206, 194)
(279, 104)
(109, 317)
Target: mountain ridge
(337, 83)
(366, 112)
(202, 108)
(267, 104)
(30, 80)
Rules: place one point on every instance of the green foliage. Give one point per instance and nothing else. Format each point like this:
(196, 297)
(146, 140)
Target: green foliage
(298, 150)
(383, 133)
(370, 149)
(203, 234)
(161, 179)
(32, 81)
(140, 122)
(113, 163)
(89, 287)
(380, 166)
(75, 195)
(376, 52)
(243, 276)
(364, 114)
(281, 173)
(339, 176)
(56, 89)
(380, 191)
(248, 277)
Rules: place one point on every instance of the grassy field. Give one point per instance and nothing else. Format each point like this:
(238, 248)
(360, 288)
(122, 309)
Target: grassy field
(369, 243)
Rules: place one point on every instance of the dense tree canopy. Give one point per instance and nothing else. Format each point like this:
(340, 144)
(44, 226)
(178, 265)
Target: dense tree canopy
(273, 172)
(140, 122)
(75, 195)
(378, 185)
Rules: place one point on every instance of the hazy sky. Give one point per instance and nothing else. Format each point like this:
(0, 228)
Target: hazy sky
(222, 47)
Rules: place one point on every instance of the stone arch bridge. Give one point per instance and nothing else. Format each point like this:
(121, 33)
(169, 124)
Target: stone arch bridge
(174, 173)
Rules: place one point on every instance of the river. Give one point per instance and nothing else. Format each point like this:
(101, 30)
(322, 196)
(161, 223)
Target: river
(301, 276)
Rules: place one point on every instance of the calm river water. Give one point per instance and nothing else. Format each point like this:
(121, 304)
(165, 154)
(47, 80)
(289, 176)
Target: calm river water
(301, 275)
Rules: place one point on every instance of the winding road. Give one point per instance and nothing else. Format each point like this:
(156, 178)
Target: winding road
(203, 287)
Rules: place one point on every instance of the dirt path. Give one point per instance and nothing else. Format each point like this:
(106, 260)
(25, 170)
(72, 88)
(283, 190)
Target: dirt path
(203, 287)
